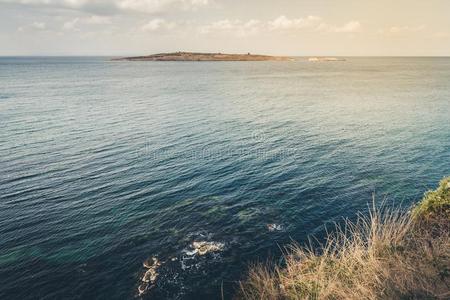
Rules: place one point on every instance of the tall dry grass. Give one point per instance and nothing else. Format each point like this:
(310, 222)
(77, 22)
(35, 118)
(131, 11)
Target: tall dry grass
(389, 254)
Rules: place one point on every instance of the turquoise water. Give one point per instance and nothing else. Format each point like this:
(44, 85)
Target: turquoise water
(106, 164)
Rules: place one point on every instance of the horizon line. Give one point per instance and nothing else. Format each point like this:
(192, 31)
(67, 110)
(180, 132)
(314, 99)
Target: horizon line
(130, 55)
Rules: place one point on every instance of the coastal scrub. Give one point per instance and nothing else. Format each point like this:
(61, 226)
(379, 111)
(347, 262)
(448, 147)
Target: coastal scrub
(389, 254)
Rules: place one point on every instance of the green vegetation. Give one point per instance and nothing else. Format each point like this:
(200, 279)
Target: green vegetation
(389, 254)
(435, 204)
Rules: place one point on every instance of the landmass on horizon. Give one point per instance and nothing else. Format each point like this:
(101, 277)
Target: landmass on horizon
(196, 56)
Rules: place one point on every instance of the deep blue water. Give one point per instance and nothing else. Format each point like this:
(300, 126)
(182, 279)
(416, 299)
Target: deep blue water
(105, 164)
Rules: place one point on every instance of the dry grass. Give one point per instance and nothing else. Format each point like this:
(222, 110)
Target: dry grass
(389, 254)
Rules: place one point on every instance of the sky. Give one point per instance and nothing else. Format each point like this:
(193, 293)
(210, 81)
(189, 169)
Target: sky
(277, 27)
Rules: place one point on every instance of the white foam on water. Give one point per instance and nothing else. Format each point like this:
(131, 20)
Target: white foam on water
(192, 258)
(204, 247)
(275, 227)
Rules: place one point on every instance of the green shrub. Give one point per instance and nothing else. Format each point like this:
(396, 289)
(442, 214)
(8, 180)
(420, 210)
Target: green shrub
(435, 203)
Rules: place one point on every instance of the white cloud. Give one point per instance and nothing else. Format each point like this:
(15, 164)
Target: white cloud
(97, 20)
(350, 27)
(111, 6)
(400, 30)
(251, 27)
(403, 29)
(152, 6)
(314, 23)
(98, 6)
(235, 27)
(38, 25)
(71, 25)
(284, 23)
(158, 25)
(92, 20)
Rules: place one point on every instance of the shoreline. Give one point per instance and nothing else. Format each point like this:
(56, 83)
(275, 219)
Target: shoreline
(193, 56)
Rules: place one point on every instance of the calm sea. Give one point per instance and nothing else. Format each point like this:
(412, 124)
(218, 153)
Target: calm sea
(106, 164)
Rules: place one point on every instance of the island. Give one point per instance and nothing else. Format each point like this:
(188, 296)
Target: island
(193, 56)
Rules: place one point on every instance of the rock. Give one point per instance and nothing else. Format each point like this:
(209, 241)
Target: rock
(203, 247)
(150, 276)
(142, 288)
(152, 265)
(274, 227)
(149, 263)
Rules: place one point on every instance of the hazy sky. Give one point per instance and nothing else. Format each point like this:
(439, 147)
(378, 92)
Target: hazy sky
(284, 27)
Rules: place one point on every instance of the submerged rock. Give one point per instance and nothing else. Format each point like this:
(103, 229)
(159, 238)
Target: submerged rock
(142, 288)
(172, 271)
(275, 227)
(203, 247)
(150, 276)
(151, 262)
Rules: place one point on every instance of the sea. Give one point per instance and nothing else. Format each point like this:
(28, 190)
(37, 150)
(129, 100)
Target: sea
(169, 180)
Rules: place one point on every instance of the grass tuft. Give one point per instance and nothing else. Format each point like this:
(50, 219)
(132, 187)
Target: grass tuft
(389, 254)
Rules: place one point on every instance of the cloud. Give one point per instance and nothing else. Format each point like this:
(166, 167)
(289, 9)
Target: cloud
(404, 29)
(152, 6)
(96, 6)
(235, 27)
(92, 20)
(284, 23)
(251, 27)
(441, 34)
(281, 23)
(97, 20)
(350, 27)
(401, 30)
(71, 25)
(39, 25)
(313, 23)
(158, 25)
(113, 6)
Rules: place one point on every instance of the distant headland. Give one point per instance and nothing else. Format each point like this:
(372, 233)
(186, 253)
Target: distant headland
(193, 56)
